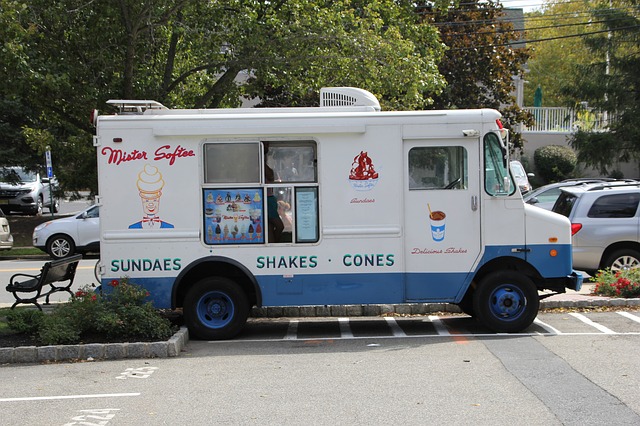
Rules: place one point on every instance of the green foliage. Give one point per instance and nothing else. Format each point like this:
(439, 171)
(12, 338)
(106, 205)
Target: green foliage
(121, 314)
(552, 63)
(610, 82)
(25, 320)
(481, 61)
(625, 283)
(554, 162)
(60, 60)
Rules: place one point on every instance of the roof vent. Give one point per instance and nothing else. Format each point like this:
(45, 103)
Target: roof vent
(135, 106)
(347, 96)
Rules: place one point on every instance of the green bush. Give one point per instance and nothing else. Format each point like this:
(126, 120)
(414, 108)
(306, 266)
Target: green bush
(26, 321)
(119, 314)
(554, 162)
(625, 283)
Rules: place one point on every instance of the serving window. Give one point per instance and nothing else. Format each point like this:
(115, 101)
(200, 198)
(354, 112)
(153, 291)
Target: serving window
(260, 192)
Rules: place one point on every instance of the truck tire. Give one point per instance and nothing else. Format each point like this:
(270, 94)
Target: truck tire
(215, 308)
(621, 260)
(60, 246)
(506, 301)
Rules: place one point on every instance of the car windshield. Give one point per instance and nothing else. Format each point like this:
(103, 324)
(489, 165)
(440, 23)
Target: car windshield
(17, 174)
(517, 170)
(565, 203)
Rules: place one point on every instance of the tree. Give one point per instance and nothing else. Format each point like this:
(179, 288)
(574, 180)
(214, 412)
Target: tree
(556, 41)
(68, 57)
(611, 84)
(481, 60)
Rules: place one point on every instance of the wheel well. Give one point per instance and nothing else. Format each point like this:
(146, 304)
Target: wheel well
(620, 245)
(220, 267)
(505, 264)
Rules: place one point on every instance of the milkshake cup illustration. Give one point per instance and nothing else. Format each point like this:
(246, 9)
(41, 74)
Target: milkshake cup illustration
(437, 220)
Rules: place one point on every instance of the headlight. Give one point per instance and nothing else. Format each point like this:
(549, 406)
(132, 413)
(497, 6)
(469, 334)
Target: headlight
(41, 226)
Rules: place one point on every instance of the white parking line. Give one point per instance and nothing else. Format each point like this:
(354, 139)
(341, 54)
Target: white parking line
(292, 330)
(345, 329)
(630, 316)
(45, 398)
(439, 326)
(547, 327)
(395, 328)
(592, 323)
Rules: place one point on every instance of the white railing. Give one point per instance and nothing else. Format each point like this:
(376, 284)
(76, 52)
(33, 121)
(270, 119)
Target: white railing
(565, 120)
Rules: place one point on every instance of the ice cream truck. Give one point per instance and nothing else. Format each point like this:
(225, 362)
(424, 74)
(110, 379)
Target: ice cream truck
(216, 211)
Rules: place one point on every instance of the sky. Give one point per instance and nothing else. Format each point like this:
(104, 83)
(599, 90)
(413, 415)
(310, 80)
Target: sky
(527, 5)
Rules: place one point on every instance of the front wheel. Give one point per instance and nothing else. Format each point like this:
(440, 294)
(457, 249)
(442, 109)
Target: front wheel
(215, 308)
(60, 246)
(506, 302)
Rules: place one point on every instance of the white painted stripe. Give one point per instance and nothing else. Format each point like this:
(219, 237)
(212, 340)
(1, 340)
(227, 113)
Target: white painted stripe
(592, 323)
(630, 316)
(439, 326)
(45, 398)
(345, 329)
(292, 330)
(547, 327)
(395, 328)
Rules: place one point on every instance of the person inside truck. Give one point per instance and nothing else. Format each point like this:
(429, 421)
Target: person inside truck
(275, 222)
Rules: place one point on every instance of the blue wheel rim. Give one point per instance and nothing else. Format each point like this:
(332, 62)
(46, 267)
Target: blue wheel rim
(215, 309)
(508, 302)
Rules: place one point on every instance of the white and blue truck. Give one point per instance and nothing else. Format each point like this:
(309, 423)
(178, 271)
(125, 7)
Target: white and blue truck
(218, 210)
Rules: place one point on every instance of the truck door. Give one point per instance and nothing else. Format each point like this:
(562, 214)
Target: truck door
(441, 216)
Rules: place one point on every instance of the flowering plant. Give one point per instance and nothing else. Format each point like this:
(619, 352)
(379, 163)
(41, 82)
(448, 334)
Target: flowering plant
(623, 283)
(119, 312)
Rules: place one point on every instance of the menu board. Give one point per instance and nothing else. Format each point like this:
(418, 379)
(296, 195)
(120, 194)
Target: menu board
(306, 215)
(233, 216)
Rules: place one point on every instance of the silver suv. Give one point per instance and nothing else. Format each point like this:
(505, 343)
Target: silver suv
(27, 192)
(604, 224)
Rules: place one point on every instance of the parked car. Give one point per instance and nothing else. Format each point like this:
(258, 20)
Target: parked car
(546, 196)
(521, 176)
(69, 235)
(604, 224)
(26, 191)
(6, 239)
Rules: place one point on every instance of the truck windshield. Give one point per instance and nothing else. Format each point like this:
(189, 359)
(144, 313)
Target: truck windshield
(496, 174)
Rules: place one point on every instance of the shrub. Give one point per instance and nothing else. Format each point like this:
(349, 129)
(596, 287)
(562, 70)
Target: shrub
(554, 162)
(25, 320)
(625, 283)
(119, 314)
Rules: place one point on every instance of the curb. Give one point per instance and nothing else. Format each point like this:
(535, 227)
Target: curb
(175, 345)
(418, 308)
(96, 351)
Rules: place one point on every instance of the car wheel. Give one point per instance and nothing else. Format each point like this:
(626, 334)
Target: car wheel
(506, 301)
(215, 308)
(55, 207)
(37, 210)
(622, 260)
(60, 246)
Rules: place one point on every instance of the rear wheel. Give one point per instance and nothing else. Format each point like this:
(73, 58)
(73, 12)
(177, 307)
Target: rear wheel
(60, 246)
(622, 260)
(506, 302)
(215, 308)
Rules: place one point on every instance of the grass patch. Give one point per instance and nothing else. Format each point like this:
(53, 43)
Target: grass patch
(22, 251)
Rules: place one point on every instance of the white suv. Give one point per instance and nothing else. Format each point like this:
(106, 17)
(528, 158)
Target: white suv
(27, 192)
(605, 224)
(69, 235)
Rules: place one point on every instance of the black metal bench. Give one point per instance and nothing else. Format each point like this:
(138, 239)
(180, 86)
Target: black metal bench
(53, 272)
